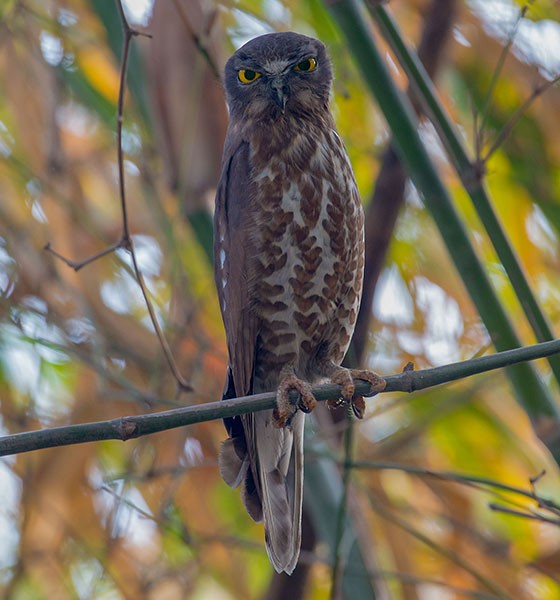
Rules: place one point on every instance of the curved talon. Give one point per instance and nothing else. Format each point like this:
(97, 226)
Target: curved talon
(358, 406)
(306, 407)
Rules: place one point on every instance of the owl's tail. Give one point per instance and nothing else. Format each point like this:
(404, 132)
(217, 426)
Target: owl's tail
(280, 458)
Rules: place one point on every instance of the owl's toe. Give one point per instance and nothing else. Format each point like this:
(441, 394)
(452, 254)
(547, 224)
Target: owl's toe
(346, 382)
(345, 378)
(376, 381)
(285, 410)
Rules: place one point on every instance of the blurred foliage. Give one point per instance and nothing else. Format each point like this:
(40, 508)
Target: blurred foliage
(151, 518)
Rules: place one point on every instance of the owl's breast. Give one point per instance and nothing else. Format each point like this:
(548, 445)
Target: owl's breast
(310, 258)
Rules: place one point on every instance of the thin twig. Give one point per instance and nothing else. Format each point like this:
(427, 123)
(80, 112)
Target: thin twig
(125, 242)
(184, 385)
(128, 34)
(523, 514)
(508, 127)
(479, 483)
(476, 480)
(127, 38)
(83, 263)
(506, 130)
(479, 136)
(125, 428)
(543, 503)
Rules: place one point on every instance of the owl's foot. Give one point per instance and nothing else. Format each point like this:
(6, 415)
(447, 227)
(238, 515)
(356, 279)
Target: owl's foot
(285, 410)
(345, 378)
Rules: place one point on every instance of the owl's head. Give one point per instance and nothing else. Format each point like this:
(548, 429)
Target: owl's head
(276, 74)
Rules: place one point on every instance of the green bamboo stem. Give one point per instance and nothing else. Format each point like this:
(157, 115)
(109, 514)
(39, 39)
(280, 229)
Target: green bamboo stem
(323, 495)
(528, 388)
(471, 176)
(339, 559)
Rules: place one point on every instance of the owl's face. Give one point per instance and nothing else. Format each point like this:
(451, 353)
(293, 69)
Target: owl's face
(278, 74)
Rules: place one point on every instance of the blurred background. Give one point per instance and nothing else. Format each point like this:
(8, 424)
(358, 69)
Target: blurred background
(151, 518)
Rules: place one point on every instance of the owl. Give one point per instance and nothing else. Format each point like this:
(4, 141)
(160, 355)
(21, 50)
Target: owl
(289, 259)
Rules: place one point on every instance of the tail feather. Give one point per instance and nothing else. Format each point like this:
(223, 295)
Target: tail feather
(297, 470)
(280, 453)
(268, 462)
(233, 461)
(251, 498)
(277, 519)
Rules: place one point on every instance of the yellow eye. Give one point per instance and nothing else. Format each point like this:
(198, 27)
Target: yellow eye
(248, 76)
(309, 64)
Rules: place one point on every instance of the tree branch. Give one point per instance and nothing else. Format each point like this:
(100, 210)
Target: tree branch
(125, 428)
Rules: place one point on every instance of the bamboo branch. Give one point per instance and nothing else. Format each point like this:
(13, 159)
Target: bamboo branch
(339, 561)
(471, 171)
(125, 428)
(529, 389)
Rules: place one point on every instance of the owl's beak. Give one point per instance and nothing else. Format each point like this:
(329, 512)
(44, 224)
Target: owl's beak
(279, 92)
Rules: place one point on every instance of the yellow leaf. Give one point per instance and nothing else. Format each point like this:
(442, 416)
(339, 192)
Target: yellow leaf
(99, 71)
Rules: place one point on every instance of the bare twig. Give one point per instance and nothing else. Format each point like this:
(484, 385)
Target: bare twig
(523, 514)
(508, 127)
(125, 428)
(482, 483)
(543, 503)
(470, 480)
(482, 159)
(475, 481)
(129, 33)
(479, 132)
(125, 242)
(83, 263)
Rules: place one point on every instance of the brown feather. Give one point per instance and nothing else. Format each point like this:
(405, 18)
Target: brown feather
(233, 220)
(233, 461)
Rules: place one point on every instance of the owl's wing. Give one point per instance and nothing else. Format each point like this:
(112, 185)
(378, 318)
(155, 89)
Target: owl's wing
(234, 254)
(233, 257)
(256, 454)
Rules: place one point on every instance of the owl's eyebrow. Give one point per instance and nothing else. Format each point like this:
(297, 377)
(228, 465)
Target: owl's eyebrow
(277, 66)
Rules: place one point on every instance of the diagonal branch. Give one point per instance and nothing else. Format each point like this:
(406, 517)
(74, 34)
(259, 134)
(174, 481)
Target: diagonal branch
(546, 510)
(125, 428)
(512, 122)
(524, 514)
(487, 101)
(470, 173)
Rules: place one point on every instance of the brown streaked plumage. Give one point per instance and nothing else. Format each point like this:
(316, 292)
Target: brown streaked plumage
(289, 258)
